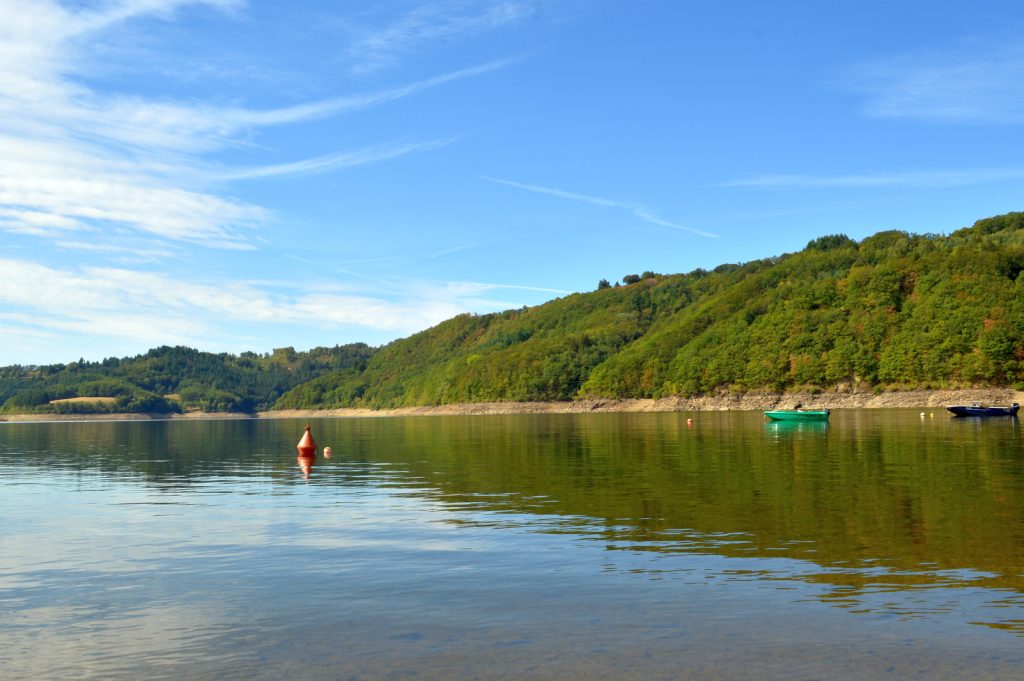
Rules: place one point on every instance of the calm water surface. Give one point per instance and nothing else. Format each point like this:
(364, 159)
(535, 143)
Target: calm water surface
(884, 545)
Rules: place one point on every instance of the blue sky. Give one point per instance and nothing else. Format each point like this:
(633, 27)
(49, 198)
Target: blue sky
(235, 175)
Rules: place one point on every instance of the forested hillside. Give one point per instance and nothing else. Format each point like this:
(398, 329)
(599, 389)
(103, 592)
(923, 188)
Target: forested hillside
(172, 380)
(894, 310)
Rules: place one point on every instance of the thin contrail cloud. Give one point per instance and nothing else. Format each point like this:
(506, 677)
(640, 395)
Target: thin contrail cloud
(925, 179)
(639, 211)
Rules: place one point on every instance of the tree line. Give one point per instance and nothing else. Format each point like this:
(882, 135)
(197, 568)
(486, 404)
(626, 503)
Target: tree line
(894, 310)
(172, 379)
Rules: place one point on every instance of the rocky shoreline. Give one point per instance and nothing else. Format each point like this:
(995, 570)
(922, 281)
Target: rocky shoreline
(752, 401)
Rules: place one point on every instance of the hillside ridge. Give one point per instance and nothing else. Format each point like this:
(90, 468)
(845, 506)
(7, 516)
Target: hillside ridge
(893, 312)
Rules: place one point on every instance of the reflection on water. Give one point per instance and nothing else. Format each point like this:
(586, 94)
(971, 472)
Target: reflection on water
(568, 546)
(306, 462)
(784, 427)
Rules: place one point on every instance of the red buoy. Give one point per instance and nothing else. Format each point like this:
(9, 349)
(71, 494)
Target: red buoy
(307, 445)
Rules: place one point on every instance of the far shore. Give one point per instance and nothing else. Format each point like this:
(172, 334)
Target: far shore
(753, 401)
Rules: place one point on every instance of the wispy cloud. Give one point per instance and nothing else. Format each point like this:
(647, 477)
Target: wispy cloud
(51, 188)
(477, 287)
(453, 249)
(212, 127)
(970, 83)
(154, 308)
(432, 22)
(639, 211)
(128, 253)
(79, 159)
(935, 179)
(335, 161)
(119, 177)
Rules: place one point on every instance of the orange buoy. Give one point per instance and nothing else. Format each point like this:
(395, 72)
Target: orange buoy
(307, 445)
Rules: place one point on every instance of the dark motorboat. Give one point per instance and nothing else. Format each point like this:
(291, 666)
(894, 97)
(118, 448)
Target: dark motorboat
(977, 409)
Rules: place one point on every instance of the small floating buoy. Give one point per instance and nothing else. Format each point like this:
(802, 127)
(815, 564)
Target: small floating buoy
(327, 452)
(922, 414)
(307, 445)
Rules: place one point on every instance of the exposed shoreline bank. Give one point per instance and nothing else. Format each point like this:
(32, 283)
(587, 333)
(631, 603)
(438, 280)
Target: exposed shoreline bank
(753, 401)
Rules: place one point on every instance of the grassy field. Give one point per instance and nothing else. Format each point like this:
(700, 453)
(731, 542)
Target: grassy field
(92, 400)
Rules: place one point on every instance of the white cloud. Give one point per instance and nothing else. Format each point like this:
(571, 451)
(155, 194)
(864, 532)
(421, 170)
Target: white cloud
(11, 332)
(335, 161)
(54, 188)
(76, 158)
(973, 83)
(639, 211)
(154, 308)
(159, 125)
(920, 179)
(433, 22)
(477, 288)
(119, 177)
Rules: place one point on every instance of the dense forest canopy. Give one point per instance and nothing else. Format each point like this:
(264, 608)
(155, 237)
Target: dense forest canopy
(895, 310)
(170, 379)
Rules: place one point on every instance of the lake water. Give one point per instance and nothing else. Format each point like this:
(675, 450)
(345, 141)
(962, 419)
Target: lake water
(606, 546)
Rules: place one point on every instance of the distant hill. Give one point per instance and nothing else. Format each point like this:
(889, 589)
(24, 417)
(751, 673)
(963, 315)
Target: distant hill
(895, 310)
(174, 379)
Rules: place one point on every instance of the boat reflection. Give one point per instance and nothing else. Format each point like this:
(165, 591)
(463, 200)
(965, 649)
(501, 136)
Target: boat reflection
(1007, 426)
(809, 427)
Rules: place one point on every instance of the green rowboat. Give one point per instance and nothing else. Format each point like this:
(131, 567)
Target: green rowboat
(798, 415)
